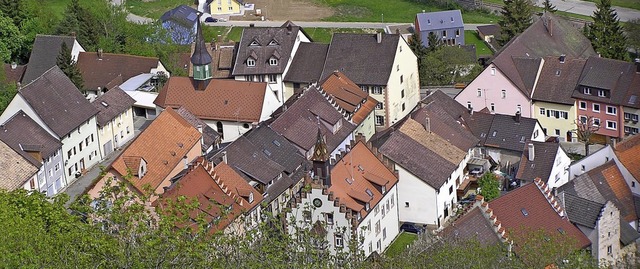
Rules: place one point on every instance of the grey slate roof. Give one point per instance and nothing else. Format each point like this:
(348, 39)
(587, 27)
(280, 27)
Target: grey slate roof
(542, 164)
(438, 20)
(210, 136)
(537, 42)
(267, 42)
(13, 131)
(200, 55)
(628, 234)
(502, 131)
(182, 14)
(58, 102)
(307, 63)
(492, 29)
(361, 58)
(444, 125)
(558, 80)
(527, 69)
(300, 122)
(43, 55)
(412, 156)
(260, 161)
(619, 77)
(111, 104)
(580, 210)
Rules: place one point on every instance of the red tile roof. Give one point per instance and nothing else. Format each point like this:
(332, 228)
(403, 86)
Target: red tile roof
(213, 199)
(529, 207)
(223, 99)
(229, 179)
(349, 96)
(628, 152)
(162, 145)
(356, 174)
(99, 71)
(620, 189)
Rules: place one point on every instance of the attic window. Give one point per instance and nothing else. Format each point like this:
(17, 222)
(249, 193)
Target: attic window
(522, 139)
(557, 72)
(428, 21)
(369, 192)
(495, 133)
(275, 142)
(451, 19)
(561, 231)
(251, 197)
(104, 104)
(254, 43)
(273, 61)
(348, 180)
(266, 152)
(524, 212)
(273, 42)
(251, 62)
(360, 168)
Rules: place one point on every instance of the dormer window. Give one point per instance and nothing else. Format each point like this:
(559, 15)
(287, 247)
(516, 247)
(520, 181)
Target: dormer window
(251, 62)
(143, 168)
(273, 42)
(273, 61)
(254, 43)
(587, 91)
(251, 197)
(367, 206)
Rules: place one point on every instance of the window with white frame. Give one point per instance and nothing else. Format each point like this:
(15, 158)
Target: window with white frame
(273, 78)
(503, 93)
(583, 119)
(519, 108)
(596, 122)
(479, 92)
(339, 242)
(602, 93)
(379, 106)
(582, 105)
(468, 105)
(251, 62)
(493, 71)
(612, 110)
(596, 107)
(273, 61)
(612, 125)
(379, 120)
(329, 218)
(376, 90)
(377, 227)
(587, 91)
(493, 107)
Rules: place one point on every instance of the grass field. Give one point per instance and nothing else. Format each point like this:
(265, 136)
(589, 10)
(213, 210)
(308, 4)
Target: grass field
(153, 9)
(391, 11)
(472, 38)
(56, 7)
(400, 244)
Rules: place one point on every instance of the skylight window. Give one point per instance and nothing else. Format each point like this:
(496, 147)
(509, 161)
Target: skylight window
(524, 212)
(273, 42)
(494, 133)
(369, 192)
(348, 180)
(275, 142)
(266, 152)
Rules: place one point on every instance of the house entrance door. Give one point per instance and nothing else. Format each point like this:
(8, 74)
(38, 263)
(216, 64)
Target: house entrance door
(569, 134)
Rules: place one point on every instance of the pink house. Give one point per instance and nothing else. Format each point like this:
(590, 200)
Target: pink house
(508, 83)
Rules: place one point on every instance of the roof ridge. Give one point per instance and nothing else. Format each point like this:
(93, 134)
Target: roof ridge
(551, 199)
(488, 214)
(41, 75)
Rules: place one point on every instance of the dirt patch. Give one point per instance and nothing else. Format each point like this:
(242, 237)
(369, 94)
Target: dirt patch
(282, 10)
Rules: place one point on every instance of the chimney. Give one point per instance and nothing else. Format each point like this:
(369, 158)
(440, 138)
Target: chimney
(201, 135)
(562, 58)
(532, 153)
(252, 25)
(517, 116)
(397, 31)
(427, 124)
(224, 156)
(99, 54)
(14, 65)
(379, 37)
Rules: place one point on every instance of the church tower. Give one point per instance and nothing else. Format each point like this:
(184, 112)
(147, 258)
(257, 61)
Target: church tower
(201, 60)
(320, 160)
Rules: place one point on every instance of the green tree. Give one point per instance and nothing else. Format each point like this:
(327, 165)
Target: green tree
(69, 66)
(434, 42)
(632, 28)
(80, 21)
(538, 248)
(605, 33)
(11, 39)
(446, 65)
(14, 9)
(7, 91)
(489, 186)
(548, 6)
(514, 19)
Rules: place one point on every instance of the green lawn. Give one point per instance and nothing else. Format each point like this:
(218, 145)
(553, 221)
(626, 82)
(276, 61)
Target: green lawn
(153, 9)
(472, 38)
(55, 7)
(392, 11)
(323, 35)
(400, 244)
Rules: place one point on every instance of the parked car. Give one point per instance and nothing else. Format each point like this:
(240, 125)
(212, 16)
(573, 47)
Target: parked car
(468, 200)
(411, 227)
(210, 19)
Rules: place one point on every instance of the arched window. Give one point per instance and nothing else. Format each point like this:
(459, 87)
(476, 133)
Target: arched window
(220, 129)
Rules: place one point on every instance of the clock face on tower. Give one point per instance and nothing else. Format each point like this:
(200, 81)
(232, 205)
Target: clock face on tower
(317, 202)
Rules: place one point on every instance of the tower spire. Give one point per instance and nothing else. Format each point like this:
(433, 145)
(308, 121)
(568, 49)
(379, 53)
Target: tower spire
(320, 160)
(201, 59)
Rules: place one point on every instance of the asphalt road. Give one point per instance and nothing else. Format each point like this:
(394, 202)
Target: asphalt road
(587, 8)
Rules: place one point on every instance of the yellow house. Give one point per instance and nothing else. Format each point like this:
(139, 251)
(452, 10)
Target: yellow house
(220, 7)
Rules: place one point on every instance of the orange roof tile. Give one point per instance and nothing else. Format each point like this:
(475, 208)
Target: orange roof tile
(162, 145)
(198, 184)
(349, 179)
(237, 184)
(628, 152)
(621, 190)
(223, 99)
(349, 96)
